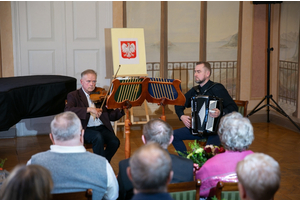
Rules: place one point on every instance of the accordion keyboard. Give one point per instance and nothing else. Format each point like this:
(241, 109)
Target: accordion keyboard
(210, 120)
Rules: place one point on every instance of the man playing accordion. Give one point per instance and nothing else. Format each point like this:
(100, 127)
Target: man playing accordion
(205, 87)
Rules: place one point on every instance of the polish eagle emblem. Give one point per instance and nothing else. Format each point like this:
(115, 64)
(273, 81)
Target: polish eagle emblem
(128, 49)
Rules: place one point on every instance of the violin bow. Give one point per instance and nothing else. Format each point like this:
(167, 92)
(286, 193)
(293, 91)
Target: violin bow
(109, 88)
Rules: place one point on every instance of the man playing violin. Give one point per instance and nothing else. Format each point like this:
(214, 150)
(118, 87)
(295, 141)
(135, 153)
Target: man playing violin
(95, 121)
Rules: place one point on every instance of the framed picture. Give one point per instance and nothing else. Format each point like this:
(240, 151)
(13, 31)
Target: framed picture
(128, 50)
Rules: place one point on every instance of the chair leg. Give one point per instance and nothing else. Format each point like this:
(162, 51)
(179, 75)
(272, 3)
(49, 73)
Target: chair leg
(115, 127)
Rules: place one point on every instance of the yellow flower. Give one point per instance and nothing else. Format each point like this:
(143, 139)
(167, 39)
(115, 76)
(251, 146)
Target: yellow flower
(191, 154)
(200, 150)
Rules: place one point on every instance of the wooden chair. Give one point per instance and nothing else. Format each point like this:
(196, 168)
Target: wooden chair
(185, 190)
(227, 190)
(242, 105)
(88, 146)
(85, 195)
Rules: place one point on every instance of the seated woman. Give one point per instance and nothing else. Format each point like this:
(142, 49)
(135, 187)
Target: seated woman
(27, 183)
(236, 134)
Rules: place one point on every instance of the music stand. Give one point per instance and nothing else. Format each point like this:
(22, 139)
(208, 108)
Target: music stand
(269, 96)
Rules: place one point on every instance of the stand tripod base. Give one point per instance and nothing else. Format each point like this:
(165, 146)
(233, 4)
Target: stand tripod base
(278, 109)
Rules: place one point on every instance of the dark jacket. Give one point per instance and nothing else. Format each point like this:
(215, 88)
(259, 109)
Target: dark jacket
(182, 168)
(217, 90)
(77, 103)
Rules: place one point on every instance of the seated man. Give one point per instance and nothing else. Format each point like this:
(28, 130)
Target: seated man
(72, 167)
(95, 122)
(162, 133)
(150, 170)
(259, 177)
(205, 87)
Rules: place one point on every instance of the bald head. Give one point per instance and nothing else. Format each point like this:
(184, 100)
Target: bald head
(159, 131)
(66, 126)
(150, 168)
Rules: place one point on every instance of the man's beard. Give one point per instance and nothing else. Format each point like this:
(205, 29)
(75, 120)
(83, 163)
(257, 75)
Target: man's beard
(200, 81)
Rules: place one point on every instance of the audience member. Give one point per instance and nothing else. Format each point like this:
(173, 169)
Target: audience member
(150, 170)
(31, 182)
(72, 167)
(236, 135)
(259, 177)
(158, 131)
(95, 122)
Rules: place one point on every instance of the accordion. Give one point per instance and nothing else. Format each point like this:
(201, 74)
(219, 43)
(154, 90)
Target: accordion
(202, 123)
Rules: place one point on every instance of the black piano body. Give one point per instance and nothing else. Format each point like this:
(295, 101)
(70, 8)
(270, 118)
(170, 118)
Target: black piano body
(24, 97)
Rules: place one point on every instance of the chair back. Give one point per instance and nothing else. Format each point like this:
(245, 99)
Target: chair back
(88, 146)
(85, 195)
(242, 105)
(227, 190)
(185, 190)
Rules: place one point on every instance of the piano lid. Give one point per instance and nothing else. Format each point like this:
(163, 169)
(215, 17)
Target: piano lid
(32, 96)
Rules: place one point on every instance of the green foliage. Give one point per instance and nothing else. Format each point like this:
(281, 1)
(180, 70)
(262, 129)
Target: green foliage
(182, 154)
(215, 198)
(197, 153)
(194, 145)
(2, 161)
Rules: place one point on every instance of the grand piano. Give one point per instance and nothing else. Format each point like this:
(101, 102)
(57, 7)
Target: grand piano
(25, 97)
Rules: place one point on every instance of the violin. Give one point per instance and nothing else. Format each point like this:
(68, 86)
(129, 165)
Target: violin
(98, 95)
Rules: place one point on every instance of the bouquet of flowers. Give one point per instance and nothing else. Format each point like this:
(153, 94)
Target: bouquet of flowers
(2, 161)
(200, 155)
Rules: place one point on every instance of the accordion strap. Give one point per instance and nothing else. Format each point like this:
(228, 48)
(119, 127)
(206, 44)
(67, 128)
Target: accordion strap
(198, 91)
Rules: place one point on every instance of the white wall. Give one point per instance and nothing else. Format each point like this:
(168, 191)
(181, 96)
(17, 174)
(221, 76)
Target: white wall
(59, 38)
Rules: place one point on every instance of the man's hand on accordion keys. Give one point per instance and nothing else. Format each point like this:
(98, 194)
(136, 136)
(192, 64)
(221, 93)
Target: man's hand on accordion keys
(186, 120)
(214, 112)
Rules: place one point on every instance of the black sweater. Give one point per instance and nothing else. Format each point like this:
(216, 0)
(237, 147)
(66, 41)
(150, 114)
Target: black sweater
(218, 91)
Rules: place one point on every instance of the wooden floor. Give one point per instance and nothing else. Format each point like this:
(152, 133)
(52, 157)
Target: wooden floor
(278, 142)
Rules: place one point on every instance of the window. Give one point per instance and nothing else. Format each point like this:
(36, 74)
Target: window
(288, 56)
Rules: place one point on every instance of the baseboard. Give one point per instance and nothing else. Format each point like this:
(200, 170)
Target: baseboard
(10, 133)
(276, 118)
(283, 121)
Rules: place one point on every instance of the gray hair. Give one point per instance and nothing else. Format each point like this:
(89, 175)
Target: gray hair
(88, 71)
(260, 176)
(150, 167)
(65, 126)
(158, 131)
(235, 132)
